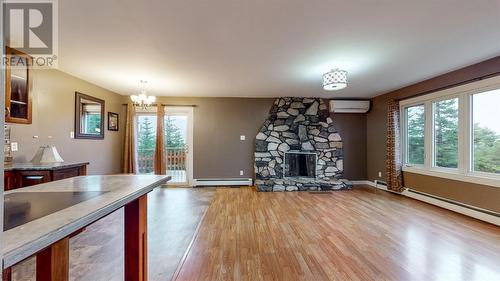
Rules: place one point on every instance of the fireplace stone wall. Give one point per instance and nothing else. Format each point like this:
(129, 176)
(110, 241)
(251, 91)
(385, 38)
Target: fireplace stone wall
(302, 125)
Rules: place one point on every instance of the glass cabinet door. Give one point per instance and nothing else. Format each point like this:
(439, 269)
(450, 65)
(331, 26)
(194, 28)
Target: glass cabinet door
(18, 87)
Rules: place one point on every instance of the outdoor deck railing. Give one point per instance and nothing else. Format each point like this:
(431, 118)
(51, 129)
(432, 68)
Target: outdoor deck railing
(176, 159)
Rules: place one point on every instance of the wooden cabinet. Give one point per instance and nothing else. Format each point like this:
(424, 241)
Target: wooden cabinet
(18, 84)
(22, 177)
(67, 173)
(27, 178)
(9, 180)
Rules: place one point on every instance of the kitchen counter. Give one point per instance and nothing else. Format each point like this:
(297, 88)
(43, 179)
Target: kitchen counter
(108, 193)
(19, 175)
(45, 166)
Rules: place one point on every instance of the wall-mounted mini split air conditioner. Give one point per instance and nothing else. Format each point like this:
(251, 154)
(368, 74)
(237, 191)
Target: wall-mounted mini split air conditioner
(349, 106)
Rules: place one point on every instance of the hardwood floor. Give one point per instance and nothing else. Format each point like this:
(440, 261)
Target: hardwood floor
(97, 253)
(361, 234)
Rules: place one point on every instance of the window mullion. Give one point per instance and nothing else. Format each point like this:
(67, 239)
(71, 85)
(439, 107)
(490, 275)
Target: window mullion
(428, 138)
(463, 134)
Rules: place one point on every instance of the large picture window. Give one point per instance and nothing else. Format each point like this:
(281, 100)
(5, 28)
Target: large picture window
(486, 132)
(454, 133)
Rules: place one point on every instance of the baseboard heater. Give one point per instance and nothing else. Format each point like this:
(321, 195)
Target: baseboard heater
(465, 209)
(223, 182)
(488, 212)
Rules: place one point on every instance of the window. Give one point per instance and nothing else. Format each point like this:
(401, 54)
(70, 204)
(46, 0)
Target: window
(415, 122)
(454, 133)
(486, 132)
(446, 133)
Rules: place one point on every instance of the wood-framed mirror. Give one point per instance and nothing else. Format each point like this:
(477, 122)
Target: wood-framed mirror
(89, 117)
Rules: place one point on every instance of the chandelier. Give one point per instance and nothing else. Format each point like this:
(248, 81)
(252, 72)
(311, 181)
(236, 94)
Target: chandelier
(142, 100)
(334, 80)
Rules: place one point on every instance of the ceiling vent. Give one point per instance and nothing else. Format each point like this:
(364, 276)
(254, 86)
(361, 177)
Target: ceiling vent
(349, 106)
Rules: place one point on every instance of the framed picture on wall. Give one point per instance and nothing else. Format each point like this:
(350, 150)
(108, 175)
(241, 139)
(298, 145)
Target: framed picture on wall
(112, 121)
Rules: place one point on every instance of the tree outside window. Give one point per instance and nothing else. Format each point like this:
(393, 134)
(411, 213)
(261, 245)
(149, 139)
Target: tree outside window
(446, 133)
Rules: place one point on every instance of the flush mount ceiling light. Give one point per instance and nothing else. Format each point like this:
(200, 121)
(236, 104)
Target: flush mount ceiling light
(334, 80)
(142, 100)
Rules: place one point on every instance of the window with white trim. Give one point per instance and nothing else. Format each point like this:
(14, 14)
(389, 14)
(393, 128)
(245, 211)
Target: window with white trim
(454, 133)
(486, 132)
(415, 122)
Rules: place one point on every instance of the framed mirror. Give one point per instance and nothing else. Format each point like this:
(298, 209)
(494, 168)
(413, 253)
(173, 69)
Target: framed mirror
(89, 117)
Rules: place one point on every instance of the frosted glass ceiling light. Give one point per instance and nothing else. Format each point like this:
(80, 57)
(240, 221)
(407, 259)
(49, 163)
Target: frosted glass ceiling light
(334, 80)
(143, 100)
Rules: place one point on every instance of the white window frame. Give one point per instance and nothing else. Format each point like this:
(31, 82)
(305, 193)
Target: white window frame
(404, 130)
(433, 135)
(464, 171)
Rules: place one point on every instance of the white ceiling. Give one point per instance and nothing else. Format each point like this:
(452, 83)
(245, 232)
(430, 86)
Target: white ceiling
(269, 48)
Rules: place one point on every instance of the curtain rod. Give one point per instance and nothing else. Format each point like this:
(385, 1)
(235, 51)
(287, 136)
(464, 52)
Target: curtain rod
(452, 85)
(172, 105)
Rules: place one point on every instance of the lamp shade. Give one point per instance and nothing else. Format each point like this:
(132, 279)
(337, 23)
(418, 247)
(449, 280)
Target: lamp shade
(334, 80)
(47, 154)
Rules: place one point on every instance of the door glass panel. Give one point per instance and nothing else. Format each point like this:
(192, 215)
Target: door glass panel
(176, 127)
(146, 143)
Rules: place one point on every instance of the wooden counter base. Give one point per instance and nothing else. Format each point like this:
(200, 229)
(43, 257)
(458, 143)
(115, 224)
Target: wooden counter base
(52, 263)
(47, 237)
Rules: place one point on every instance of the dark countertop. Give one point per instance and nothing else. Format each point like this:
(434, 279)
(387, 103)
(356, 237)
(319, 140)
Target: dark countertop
(42, 167)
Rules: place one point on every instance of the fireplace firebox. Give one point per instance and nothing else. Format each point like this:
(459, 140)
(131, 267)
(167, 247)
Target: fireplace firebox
(300, 165)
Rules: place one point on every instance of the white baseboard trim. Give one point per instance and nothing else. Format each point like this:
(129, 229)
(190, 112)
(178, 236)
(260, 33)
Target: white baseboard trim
(362, 182)
(223, 182)
(365, 182)
(455, 206)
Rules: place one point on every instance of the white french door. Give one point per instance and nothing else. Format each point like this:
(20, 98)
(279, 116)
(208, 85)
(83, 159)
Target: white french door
(179, 144)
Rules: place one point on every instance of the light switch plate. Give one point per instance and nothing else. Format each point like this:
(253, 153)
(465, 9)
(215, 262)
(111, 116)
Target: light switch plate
(242, 137)
(241, 172)
(13, 146)
(72, 134)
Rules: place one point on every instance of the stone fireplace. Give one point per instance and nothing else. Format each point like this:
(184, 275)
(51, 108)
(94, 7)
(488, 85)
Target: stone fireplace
(298, 148)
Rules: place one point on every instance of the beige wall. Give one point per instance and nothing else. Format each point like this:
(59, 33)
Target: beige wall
(53, 115)
(376, 136)
(219, 122)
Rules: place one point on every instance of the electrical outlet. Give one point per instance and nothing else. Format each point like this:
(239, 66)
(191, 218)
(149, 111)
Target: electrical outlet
(379, 174)
(241, 172)
(72, 134)
(13, 146)
(242, 137)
